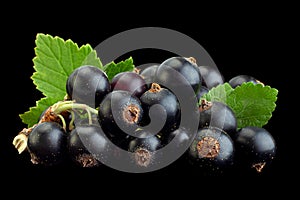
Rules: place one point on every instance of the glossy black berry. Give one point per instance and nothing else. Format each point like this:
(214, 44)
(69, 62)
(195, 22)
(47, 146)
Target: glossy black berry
(86, 145)
(256, 147)
(203, 90)
(177, 72)
(239, 79)
(149, 74)
(217, 114)
(180, 138)
(47, 144)
(88, 84)
(211, 77)
(212, 150)
(167, 107)
(120, 114)
(144, 149)
(129, 81)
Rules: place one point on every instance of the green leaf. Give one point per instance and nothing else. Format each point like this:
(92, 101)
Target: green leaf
(218, 93)
(113, 68)
(252, 104)
(31, 117)
(54, 61)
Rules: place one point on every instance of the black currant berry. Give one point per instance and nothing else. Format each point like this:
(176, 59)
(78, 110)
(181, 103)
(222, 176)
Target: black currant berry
(120, 114)
(211, 77)
(149, 74)
(217, 114)
(47, 144)
(212, 150)
(238, 80)
(169, 73)
(256, 148)
(203, 90)
(129, 81)
(168, 107)
(179, 138)
(86, 144)
(88, 84)
(178, 142)
(144, 148)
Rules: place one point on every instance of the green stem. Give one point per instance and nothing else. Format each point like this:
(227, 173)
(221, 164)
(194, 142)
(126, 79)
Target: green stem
(63, 121)
(89, 116)
(71, 126)
(69, 105)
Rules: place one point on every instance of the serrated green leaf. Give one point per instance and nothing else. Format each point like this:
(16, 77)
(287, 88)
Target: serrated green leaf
(218, 93)
(252, 104)
(55, 60)
(113, 68)
(31, 117)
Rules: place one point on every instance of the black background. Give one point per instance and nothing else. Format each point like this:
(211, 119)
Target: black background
(241, 41)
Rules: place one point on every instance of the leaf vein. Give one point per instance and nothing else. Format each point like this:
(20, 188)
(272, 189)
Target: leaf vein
(48, 68)
(56, 58)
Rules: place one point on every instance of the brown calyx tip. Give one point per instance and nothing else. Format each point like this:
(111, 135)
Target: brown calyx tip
(87, 160)
(136, 70)
(34, 160)
(131, 114)
(142, 157)
(208, 147)
(205, 105)
(50, 116)
(192, 60)
(259, 166)
(27, 131)
(155, 87)
(259, 82)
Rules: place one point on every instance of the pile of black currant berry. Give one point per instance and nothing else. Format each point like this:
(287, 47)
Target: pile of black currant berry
(140, 112)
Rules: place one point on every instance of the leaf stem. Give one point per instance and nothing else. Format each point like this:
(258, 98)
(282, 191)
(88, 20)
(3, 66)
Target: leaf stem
(71, 126)
(63, 121)
(69, 105)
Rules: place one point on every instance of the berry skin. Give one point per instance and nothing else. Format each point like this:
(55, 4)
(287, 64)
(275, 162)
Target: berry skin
(217, 114)
(169, 71)
(129, 81)
(169, 107)
(87, 153)
(119, 114)
(47, 144)
(212, 150)
(203, 90)
(88, 84)
(238, 80)
(255, 146)
(143, 149)
(211, 77)
(149, 74)
(180, 138)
